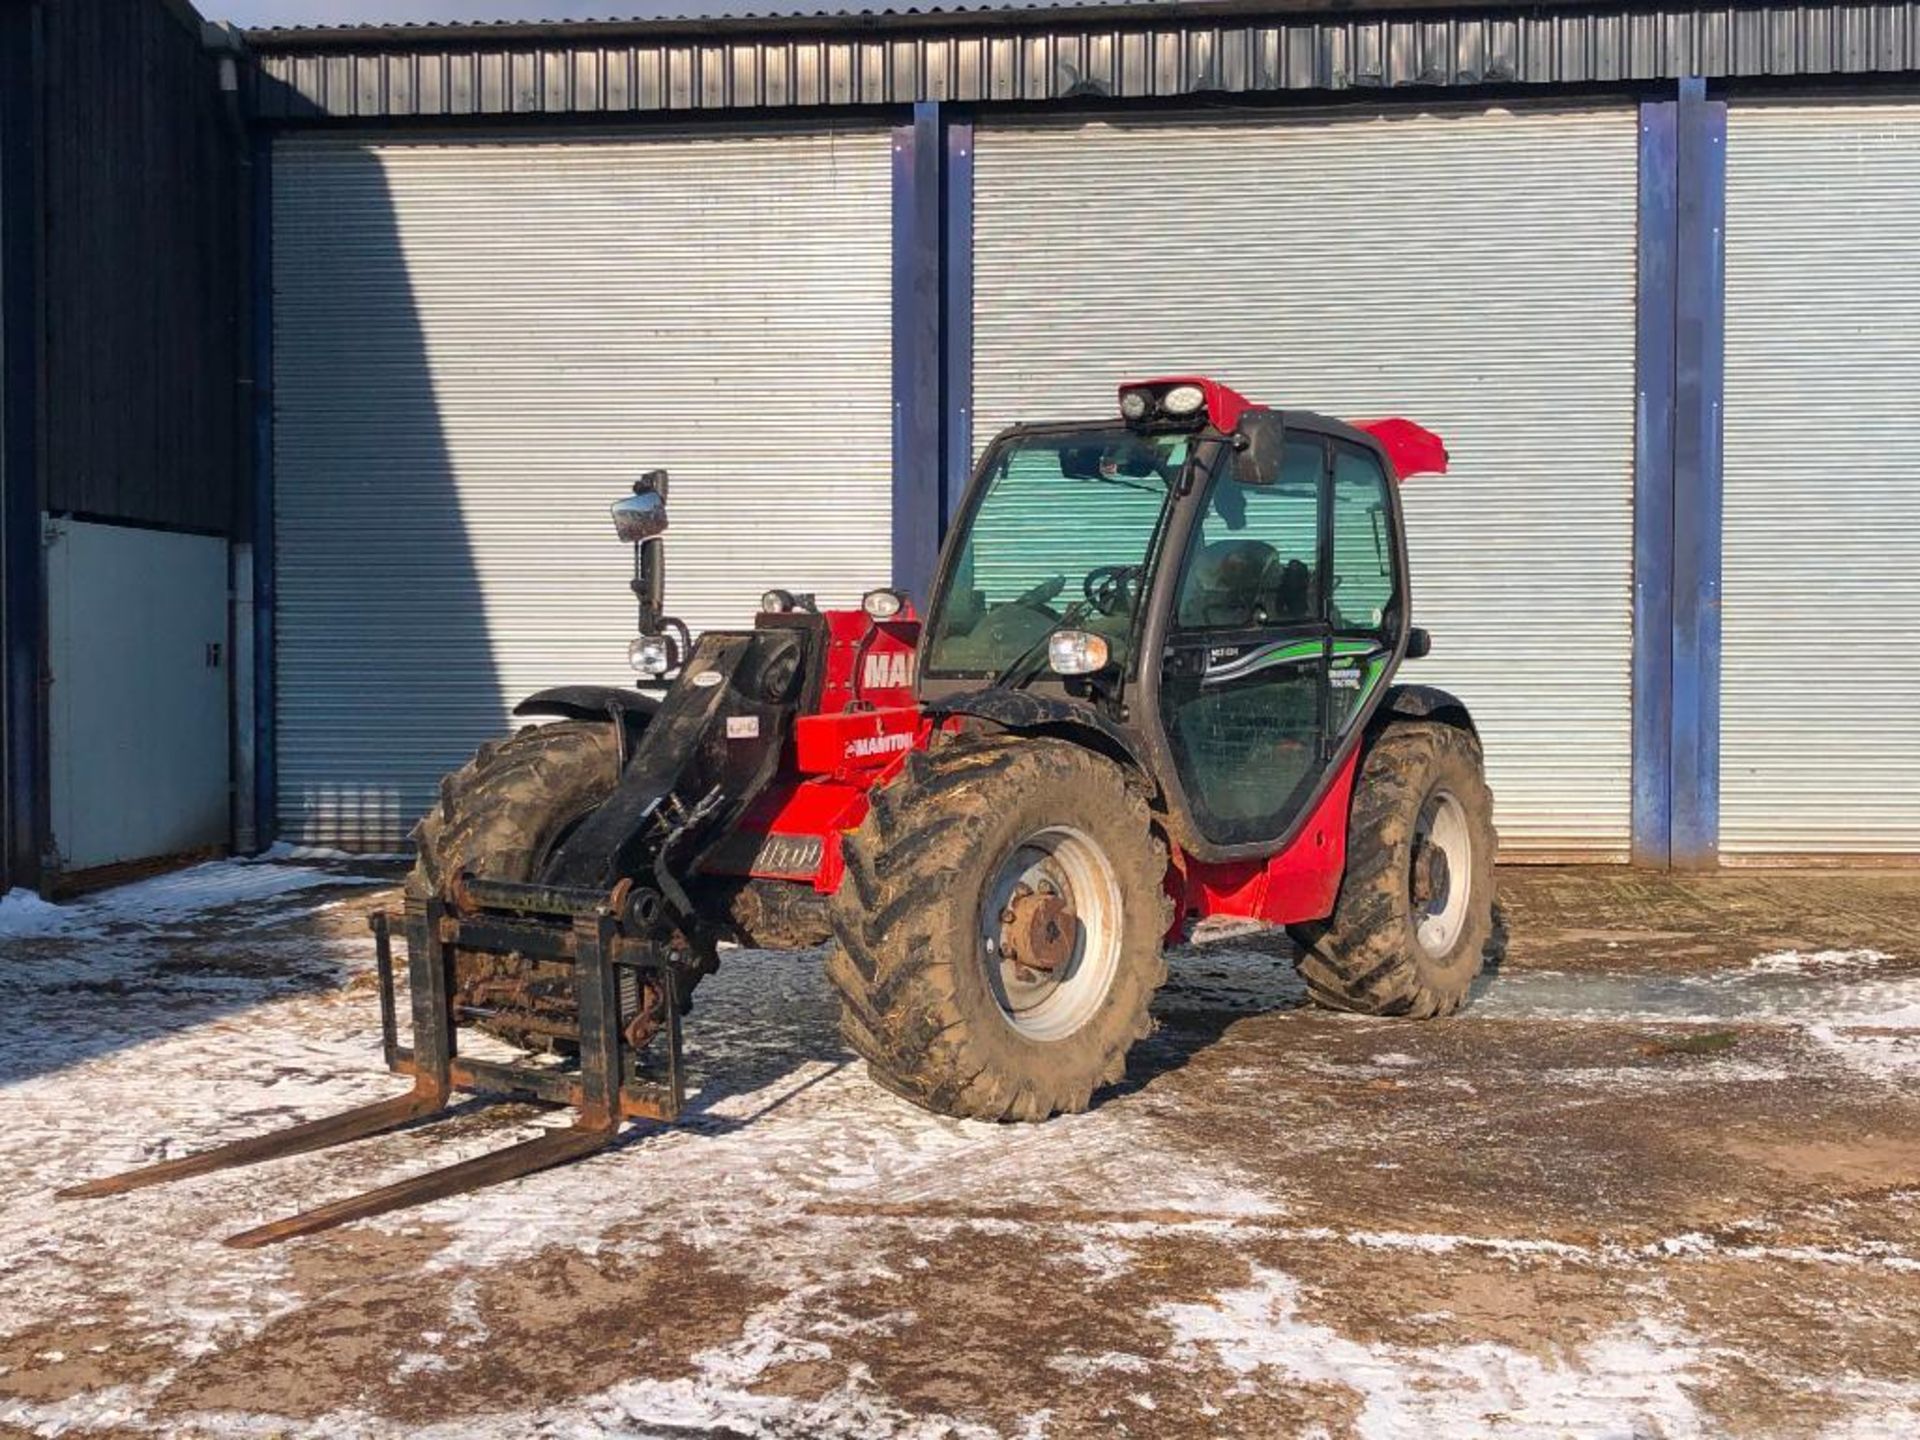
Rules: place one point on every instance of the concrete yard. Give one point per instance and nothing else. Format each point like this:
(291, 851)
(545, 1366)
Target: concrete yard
(1662, 1179)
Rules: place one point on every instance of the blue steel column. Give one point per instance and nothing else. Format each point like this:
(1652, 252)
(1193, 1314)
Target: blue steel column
(266, 770)
(1699, 356)
(1653, 487)
(956, 317)
(23, 598)
(917, 437)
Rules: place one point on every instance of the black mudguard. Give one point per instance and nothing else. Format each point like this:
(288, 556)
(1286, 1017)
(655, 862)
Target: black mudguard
(588, 702)
(1024, 713)
(1423, 702)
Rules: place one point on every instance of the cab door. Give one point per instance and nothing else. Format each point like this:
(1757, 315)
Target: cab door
(1244, 685)
(1366, 602)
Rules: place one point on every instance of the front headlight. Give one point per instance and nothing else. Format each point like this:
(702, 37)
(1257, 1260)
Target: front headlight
(650, 655)
(882, 604)
(1076, 652)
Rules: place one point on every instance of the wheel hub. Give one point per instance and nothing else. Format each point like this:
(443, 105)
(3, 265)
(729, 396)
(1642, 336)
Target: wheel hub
(1037, 929)
(1430, 875)
(1050, 932)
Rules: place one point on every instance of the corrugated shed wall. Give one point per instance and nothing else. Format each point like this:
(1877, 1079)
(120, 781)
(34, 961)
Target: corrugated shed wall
(1820, 701)
(1067, 57)
(140, 281)
(478, 347)
(1473, 270)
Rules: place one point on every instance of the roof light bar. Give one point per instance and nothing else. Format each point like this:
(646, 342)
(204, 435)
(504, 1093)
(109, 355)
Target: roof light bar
(1180, 402)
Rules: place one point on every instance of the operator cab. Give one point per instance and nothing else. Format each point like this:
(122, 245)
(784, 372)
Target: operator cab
(1222, 583)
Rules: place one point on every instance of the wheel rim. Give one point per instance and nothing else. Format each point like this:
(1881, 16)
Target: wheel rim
(1050, 933)
(1441, 883)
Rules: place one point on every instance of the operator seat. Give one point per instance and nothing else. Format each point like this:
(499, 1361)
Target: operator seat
(1239, 584)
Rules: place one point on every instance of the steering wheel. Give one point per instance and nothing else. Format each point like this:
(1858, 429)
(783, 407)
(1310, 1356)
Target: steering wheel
(1109, 588)
(1039, 595)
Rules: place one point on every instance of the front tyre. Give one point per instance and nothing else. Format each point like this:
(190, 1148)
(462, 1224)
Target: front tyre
(1410, 928)
(999, 929)
(500, 817)
(506, 810)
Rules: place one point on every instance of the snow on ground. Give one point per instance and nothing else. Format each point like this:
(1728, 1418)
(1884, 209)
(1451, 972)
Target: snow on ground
(1630, 1382)
(1201, 1254)
(240, 889)
(22, 912)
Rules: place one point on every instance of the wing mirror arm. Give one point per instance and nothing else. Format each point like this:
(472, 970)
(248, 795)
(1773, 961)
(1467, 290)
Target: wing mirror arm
(641, 519)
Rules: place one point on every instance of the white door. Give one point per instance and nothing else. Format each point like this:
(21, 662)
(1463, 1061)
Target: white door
(137, 713)
(1820, 662)
(1471, 270)
(477, 347)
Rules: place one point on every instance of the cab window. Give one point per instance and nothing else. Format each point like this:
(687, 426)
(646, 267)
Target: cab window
(1255, 552)
(1364, 593)
(1063, 534)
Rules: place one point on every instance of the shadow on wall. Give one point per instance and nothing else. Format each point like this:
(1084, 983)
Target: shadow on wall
(385, 668)
(479, 344)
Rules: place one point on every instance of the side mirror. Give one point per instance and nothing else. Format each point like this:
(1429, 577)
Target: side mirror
(1259, 441)
(641, 516)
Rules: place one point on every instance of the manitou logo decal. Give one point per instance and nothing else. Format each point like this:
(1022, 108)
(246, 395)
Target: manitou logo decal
(871, 745)
(888, 672)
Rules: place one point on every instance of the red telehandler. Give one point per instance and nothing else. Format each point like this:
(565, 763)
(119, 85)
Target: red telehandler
(1154, 682)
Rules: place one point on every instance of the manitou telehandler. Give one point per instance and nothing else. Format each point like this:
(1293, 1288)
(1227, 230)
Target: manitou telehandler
(1153, 683)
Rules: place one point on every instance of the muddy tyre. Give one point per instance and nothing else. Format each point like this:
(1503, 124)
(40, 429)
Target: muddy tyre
(501, 814)
(499, 817)
(998, 931)
(1415, 912)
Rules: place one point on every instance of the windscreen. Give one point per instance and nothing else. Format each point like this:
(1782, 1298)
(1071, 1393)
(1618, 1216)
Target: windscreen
(1061, 538)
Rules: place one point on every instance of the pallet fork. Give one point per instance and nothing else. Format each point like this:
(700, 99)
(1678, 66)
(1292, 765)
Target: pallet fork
(607, 1089)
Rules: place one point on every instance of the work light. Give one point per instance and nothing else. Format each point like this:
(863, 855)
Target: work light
(1183, 400)
(1179, 403)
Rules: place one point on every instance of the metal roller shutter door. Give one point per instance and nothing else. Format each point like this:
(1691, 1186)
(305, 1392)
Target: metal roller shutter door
(1820, 679)
(477, 346)
(1474, 271)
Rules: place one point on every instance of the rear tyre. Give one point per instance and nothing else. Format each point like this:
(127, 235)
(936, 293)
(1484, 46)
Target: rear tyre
(499, 817)
(1415, 912)
(999, 929)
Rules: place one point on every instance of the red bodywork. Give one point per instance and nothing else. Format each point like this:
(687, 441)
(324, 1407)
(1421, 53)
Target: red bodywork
(869, 721)
(867, 724)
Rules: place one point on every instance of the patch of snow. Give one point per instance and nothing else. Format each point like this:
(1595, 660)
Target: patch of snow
(164, 900)
(282, 850)
(1632, 1381)
(1432, 1244)
(23, 914)
(1113, 1361)
(1796, 962)
(185, 894)
(1895, 1413)
(1787, 997)
(1886, 1054)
